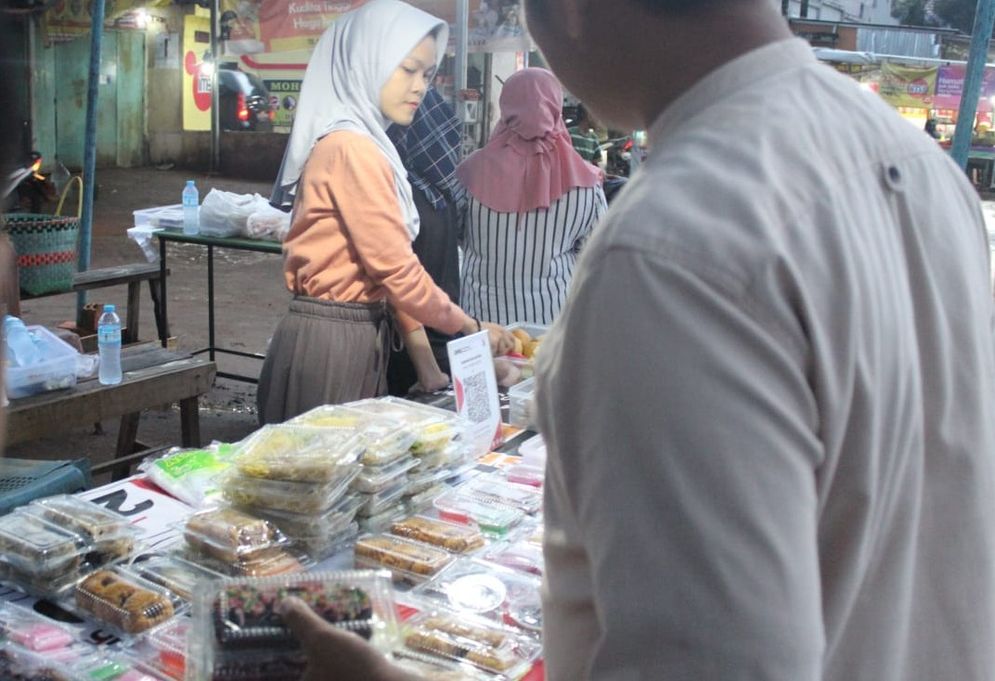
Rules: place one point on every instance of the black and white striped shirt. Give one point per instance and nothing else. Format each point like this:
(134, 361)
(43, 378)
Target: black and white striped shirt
(517, 266)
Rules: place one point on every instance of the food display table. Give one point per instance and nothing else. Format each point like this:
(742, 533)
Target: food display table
(163, 519)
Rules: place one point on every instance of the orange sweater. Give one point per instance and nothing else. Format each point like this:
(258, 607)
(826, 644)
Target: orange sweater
(349, 243)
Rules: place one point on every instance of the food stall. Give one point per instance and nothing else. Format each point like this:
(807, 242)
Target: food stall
(381, 514)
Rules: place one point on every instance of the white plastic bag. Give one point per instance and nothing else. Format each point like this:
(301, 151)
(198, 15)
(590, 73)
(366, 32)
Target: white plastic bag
(268, 223)
(225, 214)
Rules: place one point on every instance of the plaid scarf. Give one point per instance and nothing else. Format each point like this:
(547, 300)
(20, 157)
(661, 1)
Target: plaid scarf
(430, 150)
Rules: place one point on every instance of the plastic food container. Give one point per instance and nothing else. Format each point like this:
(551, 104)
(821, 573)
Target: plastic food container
(168, 643)
(174, 573)
(448, 536)
(520, 410)
(374, 479)
(298, 453)
(56, 371)
(230, 535)
(434, 428)
(81, 516)
(119, 666)
(382, 521)
(292, 497)
(372, 504)
(52, 588)
(485, 645)
(30, 630)
(386, 439)
(407, 560)
(493, 518)
(533, 451)
(238, 632)
(523, 474)
(522, 555)
(332, 521)
(124, 601)
(417, 503)
(265, 563)
(493, 488)
(321, 546)
(38, 547)
(476, 587)
(20, 663)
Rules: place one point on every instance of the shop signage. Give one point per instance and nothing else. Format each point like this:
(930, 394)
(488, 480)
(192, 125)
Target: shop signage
(907, 86)
(196, 78)
(284, 96)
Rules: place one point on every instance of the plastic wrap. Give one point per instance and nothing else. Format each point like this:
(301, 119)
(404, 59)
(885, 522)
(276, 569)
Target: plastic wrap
(190, 475)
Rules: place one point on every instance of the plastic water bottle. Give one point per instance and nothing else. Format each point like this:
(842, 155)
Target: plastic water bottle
(191, 208)
(109, 344)
(22, 350)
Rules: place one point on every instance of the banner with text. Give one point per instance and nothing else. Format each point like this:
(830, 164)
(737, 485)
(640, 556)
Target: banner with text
(908, 86)
(950, 87)
(196, 79)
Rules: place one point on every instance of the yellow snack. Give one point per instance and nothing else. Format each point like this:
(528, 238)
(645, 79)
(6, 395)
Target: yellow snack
(521, 335)
(519, 347)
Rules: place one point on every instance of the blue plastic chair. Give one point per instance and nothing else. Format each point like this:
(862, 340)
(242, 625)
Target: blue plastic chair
(22, 480)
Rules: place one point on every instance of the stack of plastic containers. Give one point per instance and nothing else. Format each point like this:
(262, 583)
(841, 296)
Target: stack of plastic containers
(439, 448)
(47, 546)
(298, 478)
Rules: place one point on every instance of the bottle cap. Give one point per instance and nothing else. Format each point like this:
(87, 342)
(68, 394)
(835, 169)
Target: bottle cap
(189, 183)
(109, 308)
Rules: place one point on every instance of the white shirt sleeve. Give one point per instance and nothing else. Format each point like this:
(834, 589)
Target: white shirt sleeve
(683, 486)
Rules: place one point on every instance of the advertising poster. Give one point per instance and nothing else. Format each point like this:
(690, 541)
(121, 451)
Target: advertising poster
(283, 96)
(950, 87)
(908, 86)
(196, 81)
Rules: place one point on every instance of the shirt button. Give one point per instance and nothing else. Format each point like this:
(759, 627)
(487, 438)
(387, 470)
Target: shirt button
(893, 178)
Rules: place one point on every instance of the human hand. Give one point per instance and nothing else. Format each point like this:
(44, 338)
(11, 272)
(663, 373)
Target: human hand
(334, 654)
(501, 339)
(431, 383)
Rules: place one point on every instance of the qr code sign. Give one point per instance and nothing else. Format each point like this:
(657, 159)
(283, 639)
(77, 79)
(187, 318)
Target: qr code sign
(476, 398)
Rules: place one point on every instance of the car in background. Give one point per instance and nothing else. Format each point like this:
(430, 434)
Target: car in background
(244, 100)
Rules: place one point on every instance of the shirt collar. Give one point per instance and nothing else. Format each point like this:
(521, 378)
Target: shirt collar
(744, 72)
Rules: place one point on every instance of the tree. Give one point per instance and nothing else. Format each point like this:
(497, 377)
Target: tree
(957, 13)
(910, 12)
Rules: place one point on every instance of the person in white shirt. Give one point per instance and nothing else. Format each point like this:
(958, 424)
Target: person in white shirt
(768, 402)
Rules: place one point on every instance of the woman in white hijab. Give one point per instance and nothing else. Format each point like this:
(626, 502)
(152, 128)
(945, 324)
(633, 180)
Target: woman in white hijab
(348, 258)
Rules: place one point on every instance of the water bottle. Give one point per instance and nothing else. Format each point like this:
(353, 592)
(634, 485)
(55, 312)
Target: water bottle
(22, 350)
(109, 344)
(191, 208)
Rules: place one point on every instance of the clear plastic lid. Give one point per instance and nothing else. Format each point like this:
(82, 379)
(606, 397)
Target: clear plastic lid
(124, 601)
(243, 614)
(434, 428)
(449, 536)
(174, 573)
(416, 503)
(265, 563)
(382, 521)
(493, 518)
(373, 479)
(298, 525)
(33, 631)
(496, 489)
(488, 590)
(521, 555)
(325, 545)
(453, 454)
(524, 474)
(19, 664)
(230, 535)
(298, 453)
(372, 504)
(407, 560)
(116, 665)
(385, 438)
(53, 587)
(488, 646)
(292, 497)
(111, 549)
(81, 516)
(29, 543)
(168, 643)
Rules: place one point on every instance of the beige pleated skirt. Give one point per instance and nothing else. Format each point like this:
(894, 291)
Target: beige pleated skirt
(324, 352)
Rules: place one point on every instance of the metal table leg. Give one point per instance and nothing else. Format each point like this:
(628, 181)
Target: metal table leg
(210, 299)
(163, 324)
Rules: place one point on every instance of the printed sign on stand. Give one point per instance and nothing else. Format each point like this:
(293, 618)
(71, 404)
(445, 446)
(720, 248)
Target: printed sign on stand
(472, 369)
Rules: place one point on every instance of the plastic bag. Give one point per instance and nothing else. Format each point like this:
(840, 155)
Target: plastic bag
(268, 223)
(190, 475)
(224, 214)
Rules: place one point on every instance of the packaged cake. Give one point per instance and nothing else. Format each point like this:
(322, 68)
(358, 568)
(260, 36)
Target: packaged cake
(125, 602)
(298, 453)
(331, 521)
(449, 536)
(39, 547)
(83, 517)
(230, 535)
(373, 479)
(174, 573)
(521, 555)
(238, 631)
(434, 428)
(493, 518)
(372, 504)
(493, 488)
(488, 646)
(381, 522)
(407, 560)
(32, 630)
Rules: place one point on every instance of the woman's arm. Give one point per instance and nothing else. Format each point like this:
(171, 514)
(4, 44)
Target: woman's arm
(430, 376)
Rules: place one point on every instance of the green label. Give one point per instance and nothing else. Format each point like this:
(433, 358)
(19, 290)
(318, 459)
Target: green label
(184, 463)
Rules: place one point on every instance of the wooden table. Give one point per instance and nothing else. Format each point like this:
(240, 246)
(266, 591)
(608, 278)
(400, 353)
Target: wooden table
(152, 377)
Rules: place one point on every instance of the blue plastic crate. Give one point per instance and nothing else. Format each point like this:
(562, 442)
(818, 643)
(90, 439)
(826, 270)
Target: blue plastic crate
(22, 480)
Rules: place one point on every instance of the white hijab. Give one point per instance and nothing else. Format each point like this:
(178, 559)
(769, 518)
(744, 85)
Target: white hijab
(351, 63)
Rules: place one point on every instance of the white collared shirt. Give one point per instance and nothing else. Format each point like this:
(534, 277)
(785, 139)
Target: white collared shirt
(770, 401)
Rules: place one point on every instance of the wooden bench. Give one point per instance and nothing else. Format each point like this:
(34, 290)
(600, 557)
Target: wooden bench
(133, 275)
(152, 377)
